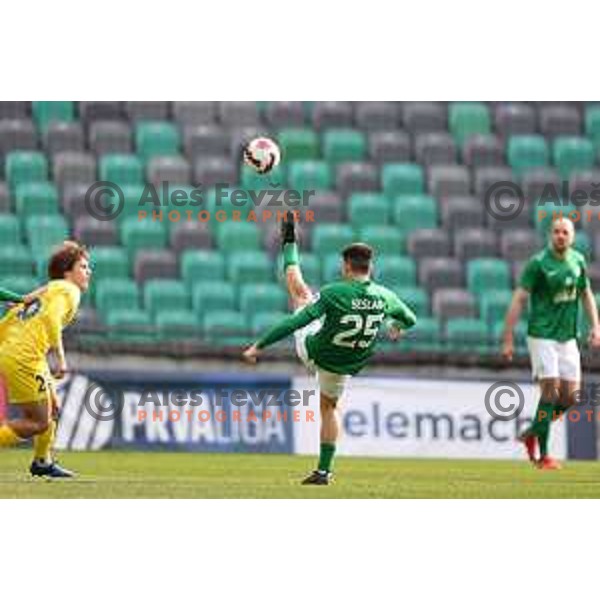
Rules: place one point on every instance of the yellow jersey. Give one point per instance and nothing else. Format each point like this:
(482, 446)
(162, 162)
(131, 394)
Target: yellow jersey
(28, 333)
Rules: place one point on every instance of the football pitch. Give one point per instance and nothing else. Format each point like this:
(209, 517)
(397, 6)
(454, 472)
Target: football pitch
(184, 475)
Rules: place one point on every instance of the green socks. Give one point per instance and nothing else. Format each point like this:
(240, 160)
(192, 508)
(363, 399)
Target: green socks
(326, 456)
(290, 255)
(541, 425)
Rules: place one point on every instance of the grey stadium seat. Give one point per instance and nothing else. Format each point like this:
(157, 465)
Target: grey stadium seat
(189, 235)
(356, 177)
(110, 137)
(15, 110)
(147, 110)
(73, 167)
(332, 114)
(537, 180)
(584, 180)
(174, 169)
(458, 212)
(239, 114)
(485, 177)
(444, 181)
(516, 270)
(559, 120)
(208, 172)
(425, 117)
(483, 151)
(241, 136)
(195, 113)
(519, 244)
(390, 146)
(377, 116)
(93, 232)
(17, 134)
(436, 273)
(514, 118)
(205, 140)
(101, 110)
(429, 243)
(594, 275)
(435, 149)
(72, 199)
(327, 206)
(475, 243)
(285, 114)
(155, 264)
(63, 137)
(5, 204)
(453, 304)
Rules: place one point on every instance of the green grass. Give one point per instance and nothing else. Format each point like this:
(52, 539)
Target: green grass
(182, 475)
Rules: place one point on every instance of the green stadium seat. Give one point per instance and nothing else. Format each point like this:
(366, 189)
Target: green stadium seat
(213, 295)
(331, 267)
(261, 322)
(20, 284)
(383, 239)
(44, 112)
(266, 297)
(573, 154)
(116, 294)
(177, 324)
(583, 244)
(415, 212)
(235, 237)
(122, 169)
(311, 270)
(249, 267)
(36, 199)
(592, 123)
(424, 336)
(156, 138)
(202, 265)
(402, 178)
(10, 230)
(135, 201)
(15, 261)
(344, 145)
(468, 335)
(368, 209)
(488, 275)
(466, 119)
(44, 232)
(226, 328)
(298, 144)
(309, 175)
(520, 336)
(417, 299)
(138, 235)
(526, 152)
(163, 295)
(251, 179)
(25, 167)
(493, 307)
(130, 325)
(223, 210)
(329, 238)
(396, 271)
(110, 262)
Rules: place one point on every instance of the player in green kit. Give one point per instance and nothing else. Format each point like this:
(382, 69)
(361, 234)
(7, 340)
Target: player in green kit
(554, 281)
(335, 331)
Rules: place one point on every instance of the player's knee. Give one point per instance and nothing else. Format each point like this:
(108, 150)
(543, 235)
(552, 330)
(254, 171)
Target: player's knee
(328, 403)
(40, 424)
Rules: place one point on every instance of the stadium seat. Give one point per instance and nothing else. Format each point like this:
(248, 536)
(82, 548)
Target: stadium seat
(329, 238)
(417, 299)
(332, 114)
(177, 324)
(100, 111)
(239, 114)
(5, 201)
(519, 244)
(435, 149)
(194, 112)
(261, 322)
(376, 116)
(475, 243)
(45, 231)
(356, 177)
(415, 212)
(483, 151)
(331, 267)
(36, 199)
(493, 307)
(429, 243)
(147, 110)
(110, 262)
(453, 303)
(171, 169)
(424, 117)
(395, 271)
(458, 212)
(14, 110)
(205, 141)
(127, 325)
(384, 239)
(190, 235)
(539, 181)
(298, 144)
(136, 235)
(92, 232)
(402, 179)
(116, 294)
(436, 273)
(514, 118)
(164, 295)
(592, 123)
(218, 201)
(234, 237)
(202, 265)
(284, 114)
(573, 154)
(216, 170)
(467, 334)
(156, 138)
(110, 137)
(155, 264)
(122, 169)
(17, 134)
(10, 230)
(466, 119)
(247, 266)
(45, 113)
(213, 295)
(449, 180)
(344, 145)
(266, 297)
(368, 209)
(21, 284)
(425, 336)
(226, 328)
(61, 136)
(488, 275)
(557, 120)
(16, 261)
(485, 177)
(390, 147)
(309, 175)
(25, 167)
(73, 167)
(527, 152)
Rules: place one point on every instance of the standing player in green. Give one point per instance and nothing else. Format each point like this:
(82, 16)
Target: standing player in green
(335, 331)
(554, 281)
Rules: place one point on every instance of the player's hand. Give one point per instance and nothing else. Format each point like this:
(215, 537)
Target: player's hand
(250, 355)
(508, 349)
(595, 337)
(60, 371)
(29, 298)
(394, 333)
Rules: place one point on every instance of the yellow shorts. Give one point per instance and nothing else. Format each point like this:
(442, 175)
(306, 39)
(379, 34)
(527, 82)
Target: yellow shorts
(26, 384)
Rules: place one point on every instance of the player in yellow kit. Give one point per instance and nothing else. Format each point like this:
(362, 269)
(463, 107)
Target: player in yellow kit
(27, 335)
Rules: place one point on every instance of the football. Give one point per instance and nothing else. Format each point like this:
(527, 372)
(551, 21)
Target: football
(262, 154)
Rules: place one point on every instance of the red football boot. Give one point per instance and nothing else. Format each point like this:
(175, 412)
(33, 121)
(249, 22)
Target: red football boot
(548, 464)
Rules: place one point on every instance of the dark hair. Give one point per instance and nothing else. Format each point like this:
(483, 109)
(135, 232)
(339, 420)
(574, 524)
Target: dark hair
(358, 256)
(64, 258)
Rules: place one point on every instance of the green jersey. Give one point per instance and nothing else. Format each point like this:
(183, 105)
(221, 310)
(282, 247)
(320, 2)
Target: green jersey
(555, 288)
(352, 312)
